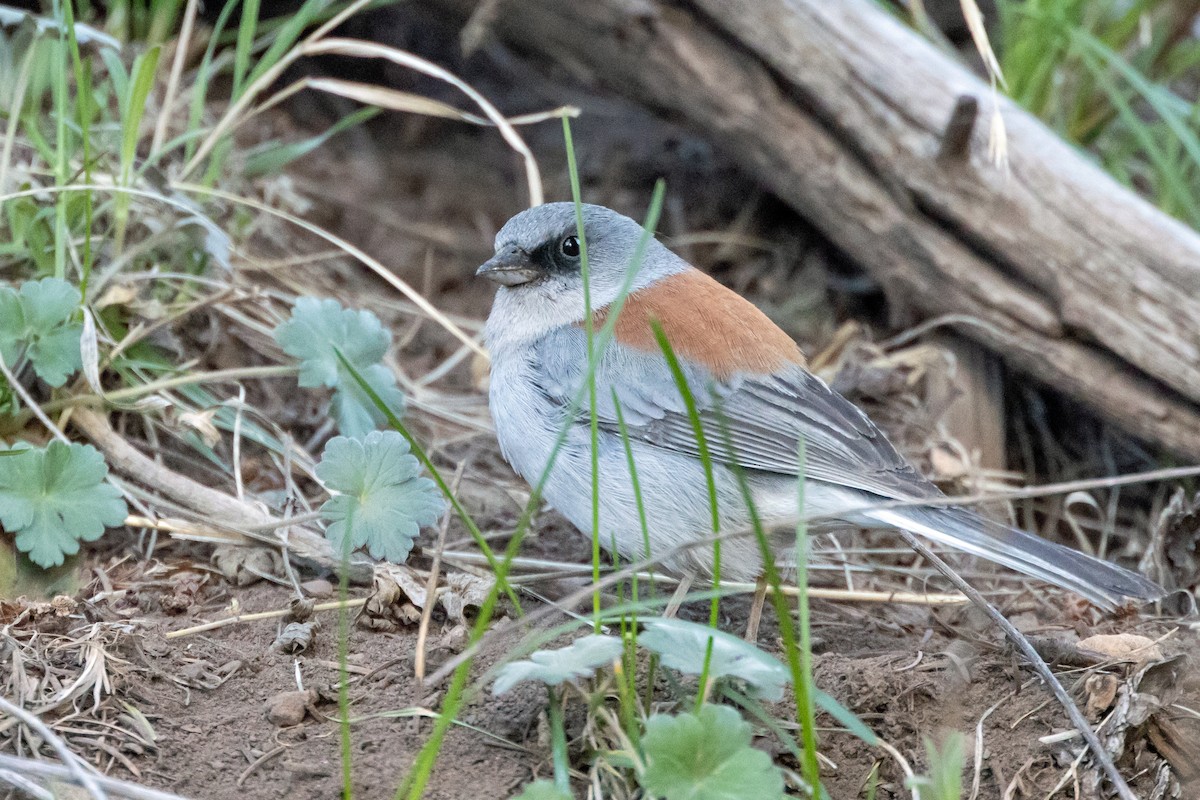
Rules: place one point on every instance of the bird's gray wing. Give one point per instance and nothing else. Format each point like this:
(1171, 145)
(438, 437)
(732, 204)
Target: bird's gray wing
(755, 422)
(758, 422)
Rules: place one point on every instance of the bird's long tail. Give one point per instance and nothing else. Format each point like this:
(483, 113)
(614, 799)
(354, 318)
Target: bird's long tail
(1102, 583)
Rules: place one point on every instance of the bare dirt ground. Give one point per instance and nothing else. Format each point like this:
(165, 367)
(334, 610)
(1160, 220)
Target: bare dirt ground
(910, 673)
(190, 714)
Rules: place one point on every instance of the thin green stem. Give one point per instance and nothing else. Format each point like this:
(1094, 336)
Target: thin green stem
(83, 115)
(558, 742)
(797, 647)
(344, 672)
(589, 326)
(500, 570)
(685, 391)
(414, 783)
(806, 715)
(629, 684)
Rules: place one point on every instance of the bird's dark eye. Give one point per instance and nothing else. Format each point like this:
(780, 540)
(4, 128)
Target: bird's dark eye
(570, 247)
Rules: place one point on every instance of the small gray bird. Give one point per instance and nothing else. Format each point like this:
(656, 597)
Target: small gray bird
(756, 400)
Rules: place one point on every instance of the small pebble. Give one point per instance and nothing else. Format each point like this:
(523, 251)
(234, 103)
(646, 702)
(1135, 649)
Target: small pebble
(318, 587)
(288, 708)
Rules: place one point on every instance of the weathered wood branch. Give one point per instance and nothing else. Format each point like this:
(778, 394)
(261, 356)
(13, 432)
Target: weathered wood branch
(845, 114)
(216, 508)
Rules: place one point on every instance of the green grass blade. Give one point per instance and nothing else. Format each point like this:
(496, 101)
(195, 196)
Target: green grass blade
(287, 35)
(144, 68)
(797, 644)
(1097, 56)
(119, 77)
(1176, 193)
(62, 153)
(345, 743)
(589, 327)
(278, 156)
(805, 689)
(628, 680)
(558, 742)
(689, 401)
(204, 75)
(247, 27)
(163, 15)
(83, 117)
(414, 783)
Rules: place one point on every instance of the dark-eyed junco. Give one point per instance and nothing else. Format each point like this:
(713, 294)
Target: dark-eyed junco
(756, 399)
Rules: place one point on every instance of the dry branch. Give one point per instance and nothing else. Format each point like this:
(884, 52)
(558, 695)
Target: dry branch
(252, 524)
(846, 114)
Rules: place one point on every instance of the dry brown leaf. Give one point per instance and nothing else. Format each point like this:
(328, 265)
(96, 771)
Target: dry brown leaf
(463, 590)
(1101, 693)
(243, 566)
(296, 637)
(398, 596)
(202, 423)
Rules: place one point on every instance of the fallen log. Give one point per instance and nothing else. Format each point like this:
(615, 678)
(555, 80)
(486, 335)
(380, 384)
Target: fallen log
(846, 115)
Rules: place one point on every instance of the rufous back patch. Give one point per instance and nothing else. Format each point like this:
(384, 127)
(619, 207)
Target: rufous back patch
(705, 323)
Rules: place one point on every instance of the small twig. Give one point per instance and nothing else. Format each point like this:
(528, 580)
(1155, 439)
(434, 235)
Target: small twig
(239, 488)
(45, 769)
(976, 780)
(26, 785)
(182, 43)
(333, 605)
(258, 762)
(431, 584)
(564, 604)
(756, 610)
(680, 595)
(30, 403)
(222, 509)
(1039, 666)
(563, 569)
(289, 507)
(76, 769)
(904, 766)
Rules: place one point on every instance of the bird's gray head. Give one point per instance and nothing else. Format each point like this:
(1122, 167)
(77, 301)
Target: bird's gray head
(538, 264)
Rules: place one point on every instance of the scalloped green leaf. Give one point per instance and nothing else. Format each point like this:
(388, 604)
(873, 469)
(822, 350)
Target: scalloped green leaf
(380, 499)
(56, 497)
(706, 756)
(682, 646)
(38, 322)
(317, 331)
(578, 660)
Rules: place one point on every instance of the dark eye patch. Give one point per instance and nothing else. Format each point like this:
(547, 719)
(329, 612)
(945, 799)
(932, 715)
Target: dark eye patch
(559, 256)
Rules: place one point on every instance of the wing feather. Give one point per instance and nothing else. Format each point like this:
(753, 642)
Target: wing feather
(755, 422)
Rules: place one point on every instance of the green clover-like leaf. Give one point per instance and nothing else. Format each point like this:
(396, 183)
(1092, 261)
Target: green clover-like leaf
(317, 331)
(706, 756)
(56, 497)
(552, 667)
(39, 322)
(542, 790)
(381, 501)
(683, 645)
